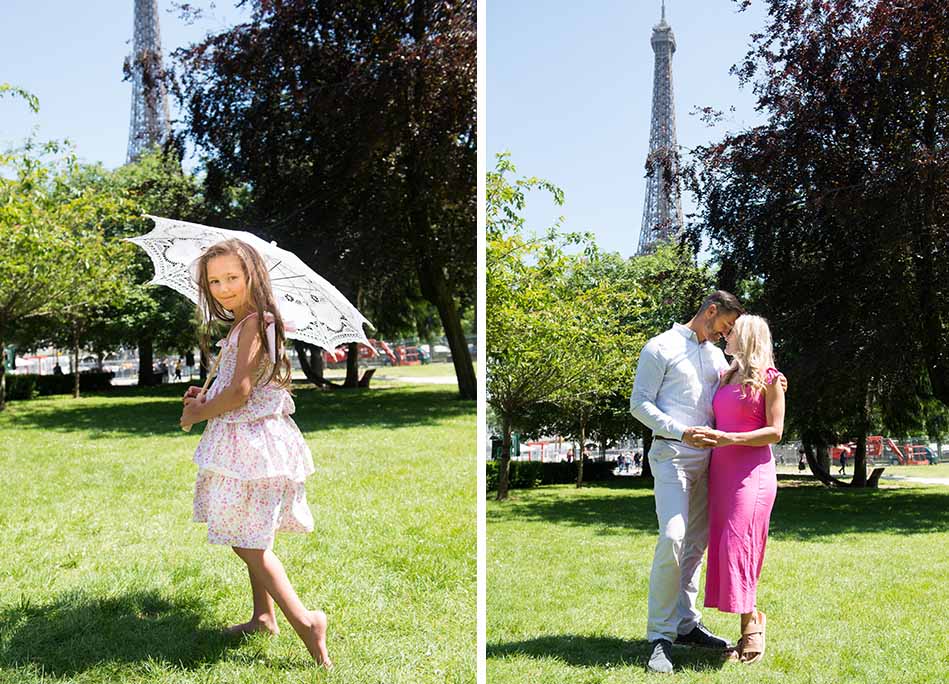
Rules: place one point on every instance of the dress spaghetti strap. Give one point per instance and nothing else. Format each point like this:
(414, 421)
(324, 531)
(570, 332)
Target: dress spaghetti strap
(237, 326)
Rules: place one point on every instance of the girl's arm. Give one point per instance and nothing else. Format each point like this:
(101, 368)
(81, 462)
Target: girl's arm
(234, 395)
(773, 430)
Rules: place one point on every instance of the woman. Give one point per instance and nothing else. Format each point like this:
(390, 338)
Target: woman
(749, 418)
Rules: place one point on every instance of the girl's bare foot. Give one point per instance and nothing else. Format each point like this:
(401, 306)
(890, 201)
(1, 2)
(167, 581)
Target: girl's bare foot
(315, 639)
(257, 624)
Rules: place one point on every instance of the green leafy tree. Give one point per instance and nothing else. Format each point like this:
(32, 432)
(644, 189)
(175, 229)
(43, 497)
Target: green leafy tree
(524, 336)
(56, 262)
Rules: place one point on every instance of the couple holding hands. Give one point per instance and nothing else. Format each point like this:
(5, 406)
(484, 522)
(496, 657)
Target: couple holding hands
(714, 488)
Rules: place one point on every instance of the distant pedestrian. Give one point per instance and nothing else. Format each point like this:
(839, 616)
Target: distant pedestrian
(843, 463)
(178, 369)
(802, 459)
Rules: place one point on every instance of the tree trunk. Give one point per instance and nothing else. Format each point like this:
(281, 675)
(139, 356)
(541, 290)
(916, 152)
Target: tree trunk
(75, 368)
(352, 366)
(860, 457)
(583, 441)
(3, 377)
(100, 360)
(811, 453)
(435, 289)
(647, 446)
(504, 468)
(145, 358)
(860, 462)
(311, 362)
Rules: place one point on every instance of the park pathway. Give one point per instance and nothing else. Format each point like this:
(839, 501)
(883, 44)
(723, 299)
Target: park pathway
(918, 480)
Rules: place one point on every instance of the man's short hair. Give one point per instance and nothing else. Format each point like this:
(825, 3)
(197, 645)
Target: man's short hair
(725, 302)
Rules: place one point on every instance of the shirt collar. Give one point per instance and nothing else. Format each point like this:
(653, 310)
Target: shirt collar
(686, 332)
(689, 334)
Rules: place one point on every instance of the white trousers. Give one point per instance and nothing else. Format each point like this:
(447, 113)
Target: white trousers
(681, 489)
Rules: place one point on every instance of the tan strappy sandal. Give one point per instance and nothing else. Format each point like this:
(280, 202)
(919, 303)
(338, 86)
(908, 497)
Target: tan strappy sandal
(752, 640)
(750, 648)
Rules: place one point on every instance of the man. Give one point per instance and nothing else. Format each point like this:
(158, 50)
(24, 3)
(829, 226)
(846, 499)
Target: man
(676, 378)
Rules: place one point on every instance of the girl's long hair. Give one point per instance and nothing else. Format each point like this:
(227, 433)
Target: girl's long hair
(260, 294)
(754, 354)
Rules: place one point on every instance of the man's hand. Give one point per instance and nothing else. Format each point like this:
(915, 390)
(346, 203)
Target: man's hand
(716, 438)
(698, 437)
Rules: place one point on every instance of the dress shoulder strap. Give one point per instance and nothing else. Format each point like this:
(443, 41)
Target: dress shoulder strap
(237, 326)
(770, 375)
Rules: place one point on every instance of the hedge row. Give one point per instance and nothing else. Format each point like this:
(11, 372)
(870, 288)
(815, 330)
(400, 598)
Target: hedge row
(527, 474)
(29, 386)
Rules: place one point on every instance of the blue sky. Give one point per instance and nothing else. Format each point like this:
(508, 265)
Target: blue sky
(569, 91)
(70, 55)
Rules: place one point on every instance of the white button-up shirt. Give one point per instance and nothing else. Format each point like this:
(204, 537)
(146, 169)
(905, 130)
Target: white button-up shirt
(676, 379)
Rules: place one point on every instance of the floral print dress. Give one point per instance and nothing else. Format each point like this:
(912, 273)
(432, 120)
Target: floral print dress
(252, 462)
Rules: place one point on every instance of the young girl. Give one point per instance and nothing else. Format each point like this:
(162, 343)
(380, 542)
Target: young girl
(252, 459)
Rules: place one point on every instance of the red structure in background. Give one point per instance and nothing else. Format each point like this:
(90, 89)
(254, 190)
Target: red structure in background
(400, 356)
(884, 450)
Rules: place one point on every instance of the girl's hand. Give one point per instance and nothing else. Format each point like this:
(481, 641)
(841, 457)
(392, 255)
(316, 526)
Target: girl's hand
(192, 412)
(192, 393)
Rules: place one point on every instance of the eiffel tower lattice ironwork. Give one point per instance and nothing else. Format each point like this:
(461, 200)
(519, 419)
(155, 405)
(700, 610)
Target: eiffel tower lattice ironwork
(662, 210)
(149, 124)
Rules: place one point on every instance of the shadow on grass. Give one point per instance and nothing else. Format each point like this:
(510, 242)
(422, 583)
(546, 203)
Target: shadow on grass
(155, 411)
(597, 651)
(802, 510)
(77, 632)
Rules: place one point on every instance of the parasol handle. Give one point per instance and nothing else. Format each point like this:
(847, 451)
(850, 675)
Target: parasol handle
(207, 381)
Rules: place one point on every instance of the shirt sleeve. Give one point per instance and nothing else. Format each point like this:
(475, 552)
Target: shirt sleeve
(642, 402)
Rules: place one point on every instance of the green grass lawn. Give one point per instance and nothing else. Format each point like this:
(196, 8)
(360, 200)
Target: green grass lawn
(854, 585)
(105, 578)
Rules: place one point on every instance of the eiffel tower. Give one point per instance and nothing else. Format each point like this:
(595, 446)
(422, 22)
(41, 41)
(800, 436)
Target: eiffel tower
(149, 124)
(662, 210)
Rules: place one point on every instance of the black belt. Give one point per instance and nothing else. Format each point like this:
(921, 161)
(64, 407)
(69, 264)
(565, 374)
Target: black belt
(666, 439)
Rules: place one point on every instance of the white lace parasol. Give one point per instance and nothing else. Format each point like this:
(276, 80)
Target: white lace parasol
(320, 314)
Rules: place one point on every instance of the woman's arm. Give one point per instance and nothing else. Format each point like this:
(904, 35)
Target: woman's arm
(235, 394)
(773, 430)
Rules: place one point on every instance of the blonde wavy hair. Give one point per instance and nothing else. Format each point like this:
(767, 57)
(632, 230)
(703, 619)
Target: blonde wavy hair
(753, 356)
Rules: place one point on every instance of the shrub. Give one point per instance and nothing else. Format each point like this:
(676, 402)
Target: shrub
(21, 387)
(30, 386)
(527, 474)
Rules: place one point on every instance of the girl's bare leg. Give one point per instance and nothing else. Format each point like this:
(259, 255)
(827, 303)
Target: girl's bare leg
(264, 619)
(310, 625)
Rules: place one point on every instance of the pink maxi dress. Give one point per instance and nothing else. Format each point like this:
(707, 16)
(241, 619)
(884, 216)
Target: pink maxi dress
(252, 462)
(742, 485)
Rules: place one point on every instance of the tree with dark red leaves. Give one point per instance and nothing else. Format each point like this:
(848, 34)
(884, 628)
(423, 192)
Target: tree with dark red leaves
(833, 213)
(351, 126)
